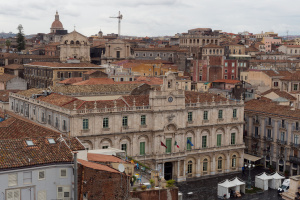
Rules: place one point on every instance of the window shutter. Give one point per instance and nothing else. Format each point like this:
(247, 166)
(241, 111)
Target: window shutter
(41, 195)
(12, 179)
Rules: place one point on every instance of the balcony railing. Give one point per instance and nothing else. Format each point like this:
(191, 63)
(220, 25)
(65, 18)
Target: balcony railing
(295, 145)
(281, 142)
(256, 136)
(294, 160)
(268, 139)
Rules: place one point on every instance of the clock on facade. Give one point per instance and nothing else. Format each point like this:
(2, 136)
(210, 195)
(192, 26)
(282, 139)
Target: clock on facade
(170, 99)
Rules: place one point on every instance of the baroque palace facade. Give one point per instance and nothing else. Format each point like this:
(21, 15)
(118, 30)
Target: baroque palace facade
(202, 132)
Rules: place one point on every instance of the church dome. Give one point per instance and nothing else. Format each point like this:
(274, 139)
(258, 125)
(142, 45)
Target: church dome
(56, 24)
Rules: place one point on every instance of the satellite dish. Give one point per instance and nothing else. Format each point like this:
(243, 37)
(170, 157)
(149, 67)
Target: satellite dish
(121, 168)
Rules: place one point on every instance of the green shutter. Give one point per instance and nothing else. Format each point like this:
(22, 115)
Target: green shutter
(232, 138)
(142, 148)
(234, 113)
(169, 145)
(219, 137)
(204, 141)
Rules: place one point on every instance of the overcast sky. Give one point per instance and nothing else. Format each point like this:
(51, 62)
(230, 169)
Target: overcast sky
(152, 17)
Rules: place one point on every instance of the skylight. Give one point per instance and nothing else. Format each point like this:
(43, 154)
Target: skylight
(51, 141)
(29, 142)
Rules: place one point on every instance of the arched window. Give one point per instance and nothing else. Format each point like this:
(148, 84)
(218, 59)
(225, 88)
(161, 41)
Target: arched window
(72, 42)
(190, 167)
(66, 42)
(205, 163)
(233, 161)
(77, 42)
(220, 162)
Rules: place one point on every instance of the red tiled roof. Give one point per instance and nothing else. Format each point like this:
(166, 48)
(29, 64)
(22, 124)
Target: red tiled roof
(272, 73)
(14, 66)
(295, 76)
(263, 107)
(192, 97)
(70, 81)
(280, 93)
(97, 166)
(96, 81)
(4, 95)
(140, 100)
(212, 46)
(6, 77)
(229, 81)
(56, 64)
(104, 158)
(150, 80)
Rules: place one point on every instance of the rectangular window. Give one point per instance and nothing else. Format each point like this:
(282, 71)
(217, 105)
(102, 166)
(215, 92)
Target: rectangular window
(13, 179)
(204, 141)
(143, 120)
(296, 137)
(297, 126)
(142, 148)
(219, 140)
(13, 194)
(282, 123)
(233, 64)
(85, 124)
(118, 54)
(234, 113)
(226, 64)
(275, 84)
(225, 77)
(169, 145)
(188, 146)
(269, 133)
(63, 173)
(219, 164)
(205, 166)
(270, 121)
(105, 122)
(232, 138)
(220, 115)
(282, 136)
(125, 121)
(295, 86)
(63, 192)
(190, 116)
(124, 147)
(205, 115)
(256, 131)
(27, 177)
(41, 175)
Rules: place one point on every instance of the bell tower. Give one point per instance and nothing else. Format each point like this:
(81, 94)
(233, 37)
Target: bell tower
(169, 97)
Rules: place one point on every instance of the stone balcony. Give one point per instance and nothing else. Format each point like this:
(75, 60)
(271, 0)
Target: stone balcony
(295, 145)
(182, 154)
(268, 139)
(281, 142)
(295, 160)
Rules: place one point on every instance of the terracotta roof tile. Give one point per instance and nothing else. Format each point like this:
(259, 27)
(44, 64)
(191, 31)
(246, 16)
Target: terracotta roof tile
(272, 73)
(97, 166)
(70, 81)
(280, 94)
(95, 81)
(192, 97)
(295, 76)
(56, 64)
(229, 81)
(104, 158)
(212, 46)
(6, 77)
(14, 66)
(263, 107)
(4, 95)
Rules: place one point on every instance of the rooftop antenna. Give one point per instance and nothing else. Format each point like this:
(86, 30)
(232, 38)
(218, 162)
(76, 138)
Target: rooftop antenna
(120, 17)
(287, 35)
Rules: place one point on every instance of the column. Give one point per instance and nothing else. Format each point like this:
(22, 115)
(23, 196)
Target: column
(198, 168)
(213, 166)
(227, 168)
(184, 172)
(178, 169)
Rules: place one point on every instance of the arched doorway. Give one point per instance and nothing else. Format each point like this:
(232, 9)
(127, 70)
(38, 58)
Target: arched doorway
(168, 171)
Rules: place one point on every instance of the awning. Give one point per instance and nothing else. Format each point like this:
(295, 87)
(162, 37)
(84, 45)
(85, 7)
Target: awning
(251, 158)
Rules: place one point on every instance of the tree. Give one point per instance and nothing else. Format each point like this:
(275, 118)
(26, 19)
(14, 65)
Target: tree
(20, 39)
(7, 44)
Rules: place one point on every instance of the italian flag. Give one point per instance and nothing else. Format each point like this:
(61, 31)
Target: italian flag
(176, 144)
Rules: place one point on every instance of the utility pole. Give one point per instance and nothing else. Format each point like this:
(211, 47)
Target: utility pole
(119, 17)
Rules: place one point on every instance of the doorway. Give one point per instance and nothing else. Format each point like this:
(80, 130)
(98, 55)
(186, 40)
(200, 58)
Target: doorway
(168, 171)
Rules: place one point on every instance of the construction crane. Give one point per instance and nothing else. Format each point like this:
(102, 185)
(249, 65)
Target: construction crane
(120, 17)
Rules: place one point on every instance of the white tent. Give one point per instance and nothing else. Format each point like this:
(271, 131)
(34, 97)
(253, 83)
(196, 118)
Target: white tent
(240, 185)
(224, 187)
(262, 181)
(276, 181)
(235, 184)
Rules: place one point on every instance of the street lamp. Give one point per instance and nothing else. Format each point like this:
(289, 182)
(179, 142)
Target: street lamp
(249, 177)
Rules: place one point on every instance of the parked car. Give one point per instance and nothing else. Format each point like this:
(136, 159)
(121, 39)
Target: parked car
(285, 186)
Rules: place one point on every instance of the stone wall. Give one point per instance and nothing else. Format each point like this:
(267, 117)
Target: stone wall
(164, 194)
